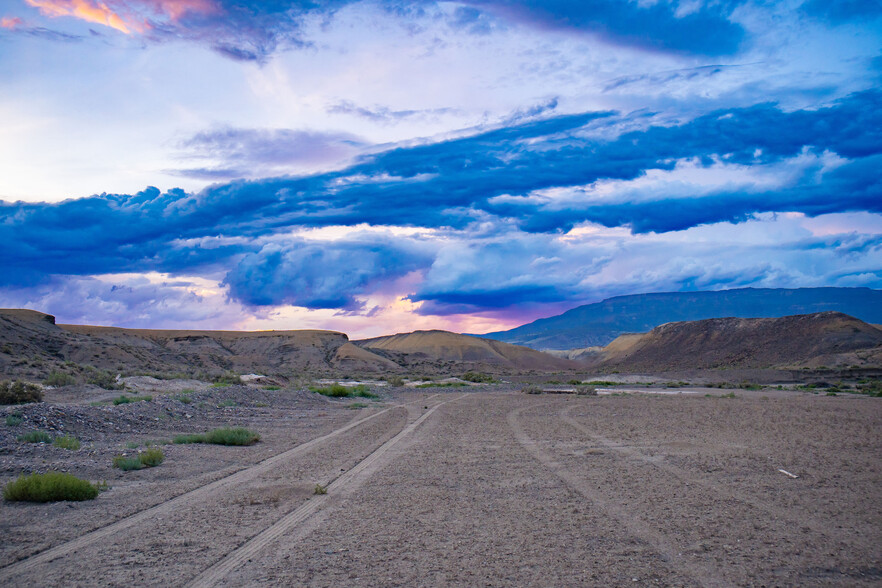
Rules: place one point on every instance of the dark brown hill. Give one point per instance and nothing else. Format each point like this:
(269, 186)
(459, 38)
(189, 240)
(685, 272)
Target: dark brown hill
(436, 349)
(826, 338)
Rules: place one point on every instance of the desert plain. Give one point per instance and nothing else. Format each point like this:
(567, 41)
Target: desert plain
(479, 485)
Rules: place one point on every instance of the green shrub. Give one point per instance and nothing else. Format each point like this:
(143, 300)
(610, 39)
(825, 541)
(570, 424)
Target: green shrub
(59, 379)
(232, 436)
(19, 393)
(14, 419)
(67, 442)
(397, 381)
(127, 463)
(478, 378)
(531, 389)
(222, 436)
(334, 391)
(183, 399)
(36, 437)
(152, 457)
(355, 405)
(227, 403)
(362, 391)
(320, 490)
(49, 487)
(129, 399)
(272, 388)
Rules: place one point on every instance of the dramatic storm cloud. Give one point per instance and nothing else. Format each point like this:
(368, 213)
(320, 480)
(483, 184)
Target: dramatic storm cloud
(376, 166)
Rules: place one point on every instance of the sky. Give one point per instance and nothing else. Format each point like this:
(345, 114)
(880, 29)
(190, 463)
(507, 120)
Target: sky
(381, 166)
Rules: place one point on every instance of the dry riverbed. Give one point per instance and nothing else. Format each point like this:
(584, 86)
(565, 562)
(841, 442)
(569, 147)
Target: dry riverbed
(455, 486)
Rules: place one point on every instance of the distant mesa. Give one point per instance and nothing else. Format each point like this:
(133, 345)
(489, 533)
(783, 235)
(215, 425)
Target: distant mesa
(594, 325)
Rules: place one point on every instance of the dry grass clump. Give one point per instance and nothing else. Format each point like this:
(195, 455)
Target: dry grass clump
(67, 442)
(36, 437)
(222, 436)
(49, 487)
(146, 459)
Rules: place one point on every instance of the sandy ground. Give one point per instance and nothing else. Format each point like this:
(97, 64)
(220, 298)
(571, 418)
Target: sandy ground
(477, 486)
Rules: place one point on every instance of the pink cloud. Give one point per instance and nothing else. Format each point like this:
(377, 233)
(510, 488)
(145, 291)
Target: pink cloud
(10, 22)
(126, 16)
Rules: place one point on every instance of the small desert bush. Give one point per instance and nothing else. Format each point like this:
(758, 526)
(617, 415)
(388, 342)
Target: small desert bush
(272, 388)
(152, 457)
(355, 405)
(49, 487)
(14, 419)
(395, 380)
(36, 437)
(320, 490)
(339, 391)
(478, 378)
(127, 463)
(67, 442)
(222, 436)
(333, 391)
(227, 403)
(19, 393)
(59, 379)
(232, 436)
(146, 459)
(129, 399)
(531, 390)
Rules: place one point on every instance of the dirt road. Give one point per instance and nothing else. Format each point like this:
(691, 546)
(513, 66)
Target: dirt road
(499, 488)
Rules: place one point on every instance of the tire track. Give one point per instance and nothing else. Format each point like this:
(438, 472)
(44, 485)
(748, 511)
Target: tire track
(309, 515)
(775, 513)
(242, 476)
(701, 574)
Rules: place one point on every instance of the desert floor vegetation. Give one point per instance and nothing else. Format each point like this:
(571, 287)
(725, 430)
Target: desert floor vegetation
(340, 391)
(19, 393)
(122, 399)
(67, 442)
(221, 436)
(146, 459)
(49, 487)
